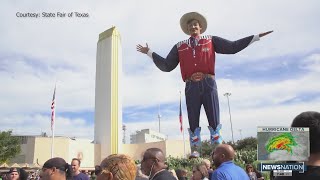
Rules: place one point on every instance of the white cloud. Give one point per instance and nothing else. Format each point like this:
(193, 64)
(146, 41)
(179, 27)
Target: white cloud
(37, 123)
(27, 89)
(312, 63)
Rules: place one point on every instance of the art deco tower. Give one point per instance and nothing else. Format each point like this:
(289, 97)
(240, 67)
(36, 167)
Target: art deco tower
(108, 107)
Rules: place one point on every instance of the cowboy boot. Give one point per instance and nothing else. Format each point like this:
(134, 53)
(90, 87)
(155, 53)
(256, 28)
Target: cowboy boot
(195, 140)
(215, 135)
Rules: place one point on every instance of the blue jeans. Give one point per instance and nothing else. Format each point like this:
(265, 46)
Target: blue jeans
(204, 93)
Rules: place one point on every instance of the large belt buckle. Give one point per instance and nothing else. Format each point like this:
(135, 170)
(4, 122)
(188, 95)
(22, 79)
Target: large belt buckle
(198, 76)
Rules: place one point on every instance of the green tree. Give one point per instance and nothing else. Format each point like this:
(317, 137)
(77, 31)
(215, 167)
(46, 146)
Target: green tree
(248, 143)
(183, 163)
(234, 146)
(9, 146)
(206, 148)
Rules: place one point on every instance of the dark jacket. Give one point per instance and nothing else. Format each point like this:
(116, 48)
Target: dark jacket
(163, 175)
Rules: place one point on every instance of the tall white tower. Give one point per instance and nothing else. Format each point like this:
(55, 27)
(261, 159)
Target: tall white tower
(108, 107)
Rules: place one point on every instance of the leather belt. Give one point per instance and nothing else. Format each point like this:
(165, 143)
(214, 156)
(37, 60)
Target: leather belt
(199, 76)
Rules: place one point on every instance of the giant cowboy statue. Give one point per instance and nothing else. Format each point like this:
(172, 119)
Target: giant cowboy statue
(196, 56)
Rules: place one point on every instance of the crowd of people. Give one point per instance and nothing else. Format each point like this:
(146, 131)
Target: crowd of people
(153, 164)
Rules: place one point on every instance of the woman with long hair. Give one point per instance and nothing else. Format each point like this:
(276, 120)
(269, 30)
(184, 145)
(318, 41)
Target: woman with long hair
(200, 172)
(253, 173)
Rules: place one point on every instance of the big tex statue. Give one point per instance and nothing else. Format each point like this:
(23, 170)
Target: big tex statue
(196, 56)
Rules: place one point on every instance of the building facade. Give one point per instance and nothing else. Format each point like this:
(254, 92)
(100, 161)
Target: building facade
(37, 150)
(146, 136)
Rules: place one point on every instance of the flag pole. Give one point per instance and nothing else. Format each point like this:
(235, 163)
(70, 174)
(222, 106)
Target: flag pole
(53, 116)
(52, 142)
(184, 142)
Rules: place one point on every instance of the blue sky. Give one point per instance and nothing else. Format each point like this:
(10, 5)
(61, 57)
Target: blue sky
(271, 81)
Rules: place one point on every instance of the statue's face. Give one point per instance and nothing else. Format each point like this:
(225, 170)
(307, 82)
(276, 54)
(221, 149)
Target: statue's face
(194, 28)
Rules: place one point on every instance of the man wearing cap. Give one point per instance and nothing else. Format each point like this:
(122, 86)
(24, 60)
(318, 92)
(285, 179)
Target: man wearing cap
(196, 56)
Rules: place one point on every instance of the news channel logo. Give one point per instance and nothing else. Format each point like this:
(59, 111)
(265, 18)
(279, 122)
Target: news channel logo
(300, 167)
(283, 169)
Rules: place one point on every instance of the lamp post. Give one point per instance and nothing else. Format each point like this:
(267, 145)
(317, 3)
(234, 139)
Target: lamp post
(240, 133)
(227, 95)
(159, 116)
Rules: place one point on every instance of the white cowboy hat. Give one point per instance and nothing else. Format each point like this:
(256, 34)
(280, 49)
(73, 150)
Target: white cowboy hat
(193, 15)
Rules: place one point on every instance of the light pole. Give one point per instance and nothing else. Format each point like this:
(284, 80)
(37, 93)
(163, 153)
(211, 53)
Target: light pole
(159, 116)
(124, 128)
(240, 133)
(227, 95)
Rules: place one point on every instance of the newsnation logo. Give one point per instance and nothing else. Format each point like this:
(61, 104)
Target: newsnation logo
(283, 167)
